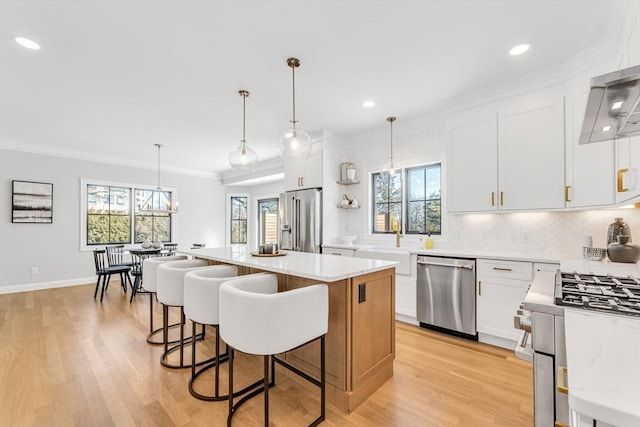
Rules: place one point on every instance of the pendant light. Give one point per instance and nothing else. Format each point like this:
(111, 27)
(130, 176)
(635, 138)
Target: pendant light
(159, 201)
(295, 143)
(389, 167)
(243, 158)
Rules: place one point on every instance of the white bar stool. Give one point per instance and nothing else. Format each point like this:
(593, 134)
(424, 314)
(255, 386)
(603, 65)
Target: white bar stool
(257, 319)
(201, 305)
(170, 292)
(150, 280)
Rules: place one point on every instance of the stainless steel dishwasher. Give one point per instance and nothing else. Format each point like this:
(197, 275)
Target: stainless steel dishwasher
(446, 295)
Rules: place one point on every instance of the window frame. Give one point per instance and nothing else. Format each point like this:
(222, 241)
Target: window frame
(228, 218)
(85, 182)
(258, 224)
(374, 204)
(404, 176)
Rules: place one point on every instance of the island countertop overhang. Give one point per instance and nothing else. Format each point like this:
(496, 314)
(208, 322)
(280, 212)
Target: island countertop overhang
(325, 268)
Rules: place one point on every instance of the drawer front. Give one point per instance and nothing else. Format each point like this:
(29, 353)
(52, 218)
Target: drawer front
(519, 270)
(335, 251)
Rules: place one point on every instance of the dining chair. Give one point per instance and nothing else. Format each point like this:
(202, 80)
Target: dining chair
(137, 258)
(104, 272)
(115, 256)
(171, 248)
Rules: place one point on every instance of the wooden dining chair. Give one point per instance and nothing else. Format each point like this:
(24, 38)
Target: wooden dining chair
(171, 248)
(137, 258)
(104, 272)
(115, 256)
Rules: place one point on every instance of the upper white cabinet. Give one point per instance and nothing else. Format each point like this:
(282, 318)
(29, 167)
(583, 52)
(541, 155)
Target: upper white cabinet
(508, 157)
(589, 167)
(473, 165)
(628, 168)
(304, 173)
(531, 153)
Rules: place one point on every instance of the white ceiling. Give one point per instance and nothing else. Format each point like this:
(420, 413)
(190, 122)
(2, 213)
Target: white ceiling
(115, 77)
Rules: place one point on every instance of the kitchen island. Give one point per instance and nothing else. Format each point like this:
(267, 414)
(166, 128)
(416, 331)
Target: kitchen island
(360, 343)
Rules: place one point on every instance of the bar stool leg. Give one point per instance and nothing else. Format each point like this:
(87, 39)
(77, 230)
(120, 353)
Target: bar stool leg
(266, 390)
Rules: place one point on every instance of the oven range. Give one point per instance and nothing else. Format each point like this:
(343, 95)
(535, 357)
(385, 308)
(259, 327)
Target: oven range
(541, 317)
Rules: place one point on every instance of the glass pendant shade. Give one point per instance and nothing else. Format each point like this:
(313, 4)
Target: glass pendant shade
(295, 143)
(243, 159)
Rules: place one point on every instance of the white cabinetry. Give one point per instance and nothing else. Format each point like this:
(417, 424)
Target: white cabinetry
(531, 153)
(473, 165)
(508, 157)
(502, 286)
(628, 168)
(304, 173)
(589, 167)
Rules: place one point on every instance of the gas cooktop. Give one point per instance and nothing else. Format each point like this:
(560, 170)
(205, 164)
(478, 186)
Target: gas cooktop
(618, 295)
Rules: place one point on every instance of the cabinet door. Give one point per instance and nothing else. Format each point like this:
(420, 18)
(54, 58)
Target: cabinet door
(628, 168)
(473, 163)
(497, 302)
(589, 167)
(293, 173)
(338, 251)
(312, 177)
(531, 153)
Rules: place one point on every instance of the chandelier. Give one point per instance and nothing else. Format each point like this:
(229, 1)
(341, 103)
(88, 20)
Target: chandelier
(159, 201)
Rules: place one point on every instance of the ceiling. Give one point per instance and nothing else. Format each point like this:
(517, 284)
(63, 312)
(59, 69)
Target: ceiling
(112, 78)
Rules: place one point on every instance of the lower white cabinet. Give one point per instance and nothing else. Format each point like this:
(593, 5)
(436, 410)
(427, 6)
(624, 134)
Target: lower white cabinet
(338, 251)
(406, 297)
(501, 287)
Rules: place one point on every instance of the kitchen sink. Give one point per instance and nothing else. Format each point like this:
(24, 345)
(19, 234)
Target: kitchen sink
(399, 255)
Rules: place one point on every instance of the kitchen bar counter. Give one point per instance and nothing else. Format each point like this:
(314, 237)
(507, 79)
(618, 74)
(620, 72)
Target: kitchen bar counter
(360, 343)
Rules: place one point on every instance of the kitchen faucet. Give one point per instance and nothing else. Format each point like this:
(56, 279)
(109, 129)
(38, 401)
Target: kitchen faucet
(398, 237)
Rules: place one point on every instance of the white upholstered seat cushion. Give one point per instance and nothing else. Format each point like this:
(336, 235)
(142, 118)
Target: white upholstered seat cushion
(201, 292)
(171, 280)
(257, 319)
(150, 270)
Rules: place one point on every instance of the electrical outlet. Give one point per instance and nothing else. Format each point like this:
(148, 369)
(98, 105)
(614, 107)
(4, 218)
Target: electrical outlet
(34, 270)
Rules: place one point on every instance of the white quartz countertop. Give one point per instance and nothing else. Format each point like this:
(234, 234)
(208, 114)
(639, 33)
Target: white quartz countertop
(582, 265)
(603, 351)
(325, 268)
(458, 253)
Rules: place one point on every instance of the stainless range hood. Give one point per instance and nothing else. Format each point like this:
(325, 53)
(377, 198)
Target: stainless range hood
(613, 107)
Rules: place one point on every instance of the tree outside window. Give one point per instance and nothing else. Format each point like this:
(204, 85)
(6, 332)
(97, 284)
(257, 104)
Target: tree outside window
(108, 221)
(387, 206)
(238, 219)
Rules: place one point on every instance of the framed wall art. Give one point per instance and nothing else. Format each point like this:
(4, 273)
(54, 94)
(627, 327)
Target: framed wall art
(32, 202)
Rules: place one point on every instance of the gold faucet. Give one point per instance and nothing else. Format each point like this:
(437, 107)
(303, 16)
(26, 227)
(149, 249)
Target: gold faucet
(398, 237)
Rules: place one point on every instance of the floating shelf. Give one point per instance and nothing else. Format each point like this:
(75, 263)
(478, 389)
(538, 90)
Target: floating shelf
(348, 207)
(348, 182)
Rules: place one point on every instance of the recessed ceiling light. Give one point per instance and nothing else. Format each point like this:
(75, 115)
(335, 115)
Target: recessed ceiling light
(606, 128)
(25, 42)
(616, 105)
(368, 104)
(520, 49)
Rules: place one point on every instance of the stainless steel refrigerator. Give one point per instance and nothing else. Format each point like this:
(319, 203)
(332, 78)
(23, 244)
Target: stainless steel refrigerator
(301, 220)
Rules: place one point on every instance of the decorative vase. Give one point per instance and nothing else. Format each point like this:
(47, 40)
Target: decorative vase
(157, 244)
(624, 250)
(146, 244)
(617, 228)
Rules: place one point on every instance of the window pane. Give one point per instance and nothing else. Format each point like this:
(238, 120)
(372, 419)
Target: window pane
(97, 229)
(381, 187)
(395, 217)
(434, 216)
(416, 219)
(433, 183)
(268, 221)
(395, 188)
(143, 228)
(97, 199)
(162, 227)
(119, 229)
(238, 231)
(416, 184)
(238, 208)
(119, 200)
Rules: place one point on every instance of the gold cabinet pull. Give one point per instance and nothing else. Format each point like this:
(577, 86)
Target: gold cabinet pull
(621, 173)
(493, 198)
(562, 380)
(566, 193)
(480, 287)
(501, 268)
(336, 253)
(502, 198)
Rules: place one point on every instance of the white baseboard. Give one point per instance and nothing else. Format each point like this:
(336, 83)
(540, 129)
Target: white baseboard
(46, 285)
(407, 319)
(497, 341)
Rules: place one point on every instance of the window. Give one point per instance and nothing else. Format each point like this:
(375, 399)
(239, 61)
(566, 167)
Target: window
(387, 202)
(110, 214)
(415, 209)
(238, 219)
(267, 221)
(423, 200)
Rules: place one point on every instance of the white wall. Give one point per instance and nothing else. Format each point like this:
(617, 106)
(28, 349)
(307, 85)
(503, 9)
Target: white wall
(55, 248)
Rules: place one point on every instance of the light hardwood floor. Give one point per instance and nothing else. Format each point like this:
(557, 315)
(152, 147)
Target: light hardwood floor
(66, 359)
